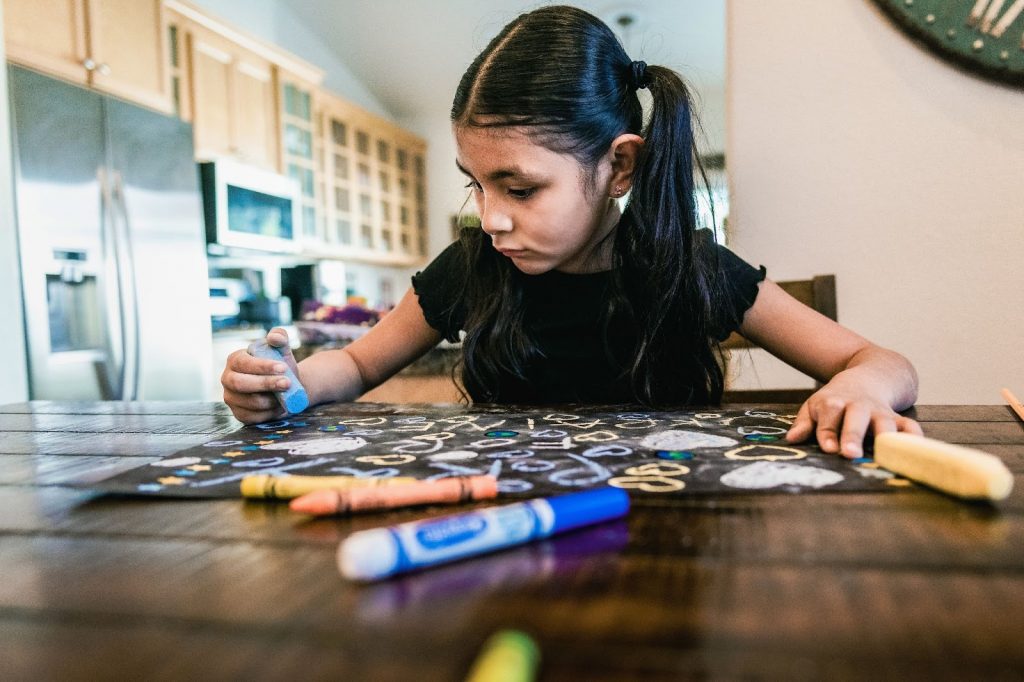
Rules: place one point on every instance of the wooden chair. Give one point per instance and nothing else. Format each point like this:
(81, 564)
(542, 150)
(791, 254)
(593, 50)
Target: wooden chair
(819, 293)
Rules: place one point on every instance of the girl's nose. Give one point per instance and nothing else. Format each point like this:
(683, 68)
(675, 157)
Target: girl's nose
(493, 220)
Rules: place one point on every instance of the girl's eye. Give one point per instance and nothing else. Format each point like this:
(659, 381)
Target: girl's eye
(522, 193)
(475, 186)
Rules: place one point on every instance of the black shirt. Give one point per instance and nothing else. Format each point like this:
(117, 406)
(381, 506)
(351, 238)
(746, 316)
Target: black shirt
(564, 315)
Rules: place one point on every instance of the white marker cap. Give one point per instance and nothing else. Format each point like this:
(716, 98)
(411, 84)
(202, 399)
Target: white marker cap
(368, 555)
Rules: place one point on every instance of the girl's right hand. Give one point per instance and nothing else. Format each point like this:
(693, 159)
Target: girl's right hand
(250, 383)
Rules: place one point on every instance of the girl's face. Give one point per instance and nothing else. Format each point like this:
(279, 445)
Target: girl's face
(533, 202)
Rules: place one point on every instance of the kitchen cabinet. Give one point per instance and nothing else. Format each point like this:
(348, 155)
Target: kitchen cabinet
(117, 46)
(375, 187)
(302, 148)
(233, 100)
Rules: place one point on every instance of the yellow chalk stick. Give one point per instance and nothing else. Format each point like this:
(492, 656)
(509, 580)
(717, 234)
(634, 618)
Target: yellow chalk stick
(507, 656)
(954, 469)
(287, 487)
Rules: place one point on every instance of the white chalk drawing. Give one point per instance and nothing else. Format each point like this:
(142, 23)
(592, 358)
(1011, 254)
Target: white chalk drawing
(177, 462)
(874, 473)
(765, 475)
(648, 484)
(685, 440)
(318, 446)
(453, 456)
(658, 469)
(513, 485)
(595, 437)
(386, 460)
(768, 453)
(533, 466)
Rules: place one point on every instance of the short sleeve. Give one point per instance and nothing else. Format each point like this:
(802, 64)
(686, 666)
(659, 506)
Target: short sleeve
(439, 289)
(739, 286)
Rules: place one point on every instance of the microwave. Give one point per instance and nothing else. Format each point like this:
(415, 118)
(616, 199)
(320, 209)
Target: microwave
(250, 207)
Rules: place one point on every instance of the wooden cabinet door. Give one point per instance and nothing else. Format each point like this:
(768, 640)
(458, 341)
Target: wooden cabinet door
(255, 111)
(212, 63)
(129, 47)
(233, 101)
(117, 46)
(49, 35)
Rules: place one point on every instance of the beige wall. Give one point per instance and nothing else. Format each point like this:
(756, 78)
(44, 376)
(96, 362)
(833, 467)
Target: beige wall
(853, 151)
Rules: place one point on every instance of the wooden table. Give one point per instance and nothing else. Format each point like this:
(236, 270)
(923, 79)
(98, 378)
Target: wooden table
(908, 584)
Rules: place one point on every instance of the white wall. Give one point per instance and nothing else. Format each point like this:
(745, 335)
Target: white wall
(853, 151)
(13, 371)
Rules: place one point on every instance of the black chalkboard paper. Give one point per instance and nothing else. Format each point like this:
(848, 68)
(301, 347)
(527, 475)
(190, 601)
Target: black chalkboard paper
(533, 452)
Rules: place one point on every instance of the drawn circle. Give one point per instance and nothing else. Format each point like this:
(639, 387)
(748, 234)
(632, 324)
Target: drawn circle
(674, 454)
(501, 434)
(452, 456)
(386, 460)
(513, 485)
(648, 484)
(608, 451)
(790, 453)
(658, 469)
(532, 466)
(510, 454)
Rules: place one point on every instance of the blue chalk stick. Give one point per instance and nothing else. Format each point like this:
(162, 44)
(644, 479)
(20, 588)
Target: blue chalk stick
(294, 398)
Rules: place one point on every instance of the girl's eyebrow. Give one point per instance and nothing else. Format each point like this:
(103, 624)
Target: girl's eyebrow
(498, 174)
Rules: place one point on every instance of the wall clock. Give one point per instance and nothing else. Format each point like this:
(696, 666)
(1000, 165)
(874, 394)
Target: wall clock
(984, 36)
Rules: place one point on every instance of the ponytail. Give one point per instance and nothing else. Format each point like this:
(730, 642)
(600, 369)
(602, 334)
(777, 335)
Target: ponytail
(661, 262)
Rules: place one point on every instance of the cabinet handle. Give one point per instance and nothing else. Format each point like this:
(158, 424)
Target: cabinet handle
(89, 64)
(104, 69)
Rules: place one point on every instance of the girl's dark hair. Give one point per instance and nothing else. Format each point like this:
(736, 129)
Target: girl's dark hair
(563, 74)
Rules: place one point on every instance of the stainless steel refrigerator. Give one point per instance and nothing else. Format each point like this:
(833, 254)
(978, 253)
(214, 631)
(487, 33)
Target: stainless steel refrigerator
(112, 246)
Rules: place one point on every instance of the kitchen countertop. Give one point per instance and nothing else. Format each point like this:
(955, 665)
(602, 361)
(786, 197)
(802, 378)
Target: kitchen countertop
(902, 585)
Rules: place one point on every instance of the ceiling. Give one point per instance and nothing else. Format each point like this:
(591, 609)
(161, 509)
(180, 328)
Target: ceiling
(411, 53)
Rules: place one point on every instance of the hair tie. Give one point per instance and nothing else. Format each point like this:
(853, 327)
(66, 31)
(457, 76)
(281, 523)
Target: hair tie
(638, 75)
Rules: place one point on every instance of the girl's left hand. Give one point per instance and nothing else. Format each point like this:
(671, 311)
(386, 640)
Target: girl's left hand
(839, 415)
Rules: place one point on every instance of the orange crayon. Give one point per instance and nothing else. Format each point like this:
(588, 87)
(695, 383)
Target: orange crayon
(445, 491)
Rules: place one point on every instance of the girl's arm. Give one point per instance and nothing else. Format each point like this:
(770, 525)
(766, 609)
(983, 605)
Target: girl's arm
(400, 337)
(864, 383)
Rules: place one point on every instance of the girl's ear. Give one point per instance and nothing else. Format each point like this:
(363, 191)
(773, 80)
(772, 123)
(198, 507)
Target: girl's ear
(625, 152)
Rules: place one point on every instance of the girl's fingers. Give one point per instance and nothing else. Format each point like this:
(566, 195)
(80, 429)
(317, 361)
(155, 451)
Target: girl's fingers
(908, 425)
(802, 426)
(251, 402)
(829, 417)
(883, 423)
(253, 383)
(856, 419)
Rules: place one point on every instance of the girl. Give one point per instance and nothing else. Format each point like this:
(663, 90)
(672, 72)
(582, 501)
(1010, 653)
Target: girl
(562, 298)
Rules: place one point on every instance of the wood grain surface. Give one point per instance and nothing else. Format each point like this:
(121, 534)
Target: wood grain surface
(903, 585)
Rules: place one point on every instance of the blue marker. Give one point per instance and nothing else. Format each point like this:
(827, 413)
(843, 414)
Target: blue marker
(383, 552)
(294, 399)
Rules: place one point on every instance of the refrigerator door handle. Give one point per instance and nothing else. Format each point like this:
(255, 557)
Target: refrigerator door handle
(130, 299)
(110, 368)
